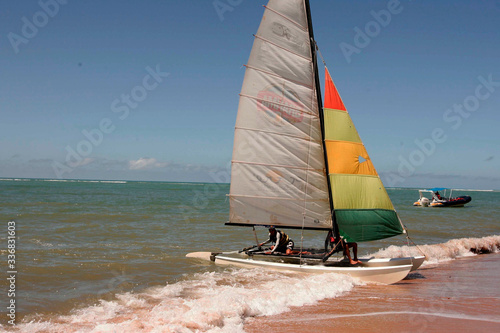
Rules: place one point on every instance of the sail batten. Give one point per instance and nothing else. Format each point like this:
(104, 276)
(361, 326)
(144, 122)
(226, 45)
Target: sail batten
(277, 198)
(286, 17)
(279, 166)
(262, 100)
(283, 48)
(269, 132)
(282, 63)
(273, 74)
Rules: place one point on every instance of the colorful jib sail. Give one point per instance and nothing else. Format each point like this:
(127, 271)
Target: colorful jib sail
(279, 175)
(362, 208)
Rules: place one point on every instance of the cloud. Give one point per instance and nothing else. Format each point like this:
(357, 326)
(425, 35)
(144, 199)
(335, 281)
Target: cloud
(144, 163)
(85, 161)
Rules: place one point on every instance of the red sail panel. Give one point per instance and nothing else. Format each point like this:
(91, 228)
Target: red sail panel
(332, 97)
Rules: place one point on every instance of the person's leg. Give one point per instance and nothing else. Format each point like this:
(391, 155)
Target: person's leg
(355, 252)
(348, 253)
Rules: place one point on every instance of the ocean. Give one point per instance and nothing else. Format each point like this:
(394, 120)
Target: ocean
(109, 256)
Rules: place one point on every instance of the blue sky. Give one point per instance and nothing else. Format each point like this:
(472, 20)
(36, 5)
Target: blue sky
(422, 86)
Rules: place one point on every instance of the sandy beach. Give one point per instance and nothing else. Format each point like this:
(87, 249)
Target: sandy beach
(456, 296)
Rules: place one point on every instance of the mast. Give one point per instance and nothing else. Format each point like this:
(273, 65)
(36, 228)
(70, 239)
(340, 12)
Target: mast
(321, 113)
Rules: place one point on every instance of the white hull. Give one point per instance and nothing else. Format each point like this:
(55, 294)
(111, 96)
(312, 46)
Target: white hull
(385, 274)
(380, 262)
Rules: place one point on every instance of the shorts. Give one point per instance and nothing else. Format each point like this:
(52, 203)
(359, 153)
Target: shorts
(289, 246)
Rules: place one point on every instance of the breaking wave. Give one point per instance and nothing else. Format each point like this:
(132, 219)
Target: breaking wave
(450, 250)
(206, 302)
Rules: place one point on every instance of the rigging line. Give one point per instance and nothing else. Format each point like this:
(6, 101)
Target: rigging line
(326, 67)
(287, 18)
(282, 47)
(418, 248)
(278, 76)
(255, 234)
(405, 231)
(320, 55)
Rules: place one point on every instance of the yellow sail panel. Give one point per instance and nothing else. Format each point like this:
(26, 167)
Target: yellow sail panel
(349, 158)
(339, 126)
(359, 192)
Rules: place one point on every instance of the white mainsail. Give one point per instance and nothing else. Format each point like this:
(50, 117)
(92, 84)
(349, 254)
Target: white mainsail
(278, 174)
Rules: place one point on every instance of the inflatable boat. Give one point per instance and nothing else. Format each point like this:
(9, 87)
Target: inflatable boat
(438, 200)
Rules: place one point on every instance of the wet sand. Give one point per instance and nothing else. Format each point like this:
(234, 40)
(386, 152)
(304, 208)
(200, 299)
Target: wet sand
(462, 295)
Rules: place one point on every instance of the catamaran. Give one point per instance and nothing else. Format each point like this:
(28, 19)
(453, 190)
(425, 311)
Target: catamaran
(300, 165)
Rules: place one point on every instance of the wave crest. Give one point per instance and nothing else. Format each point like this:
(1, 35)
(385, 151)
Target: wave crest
(450, 250)
(206, 302)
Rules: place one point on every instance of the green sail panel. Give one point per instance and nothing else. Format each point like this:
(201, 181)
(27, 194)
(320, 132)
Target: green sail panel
(363, 225)
(363, 210)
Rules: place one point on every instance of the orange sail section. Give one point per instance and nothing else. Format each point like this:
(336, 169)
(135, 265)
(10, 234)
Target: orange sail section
(348, 157)
(332, 97)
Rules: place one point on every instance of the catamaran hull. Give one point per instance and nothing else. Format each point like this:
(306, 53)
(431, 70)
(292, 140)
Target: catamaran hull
(415, 262)
(379, 274)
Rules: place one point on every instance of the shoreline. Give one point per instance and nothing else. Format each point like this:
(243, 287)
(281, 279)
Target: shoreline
(461, 295)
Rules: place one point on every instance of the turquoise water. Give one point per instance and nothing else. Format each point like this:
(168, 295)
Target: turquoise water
(81, 243)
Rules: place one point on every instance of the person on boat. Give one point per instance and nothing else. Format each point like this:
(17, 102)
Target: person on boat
(438, 195)
(282, 243)
(330, 239)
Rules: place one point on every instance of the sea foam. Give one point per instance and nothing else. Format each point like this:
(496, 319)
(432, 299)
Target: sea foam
(205, 302)
(450, 250)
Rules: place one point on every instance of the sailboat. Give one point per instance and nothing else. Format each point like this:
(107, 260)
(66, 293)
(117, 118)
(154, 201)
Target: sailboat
(299, 165)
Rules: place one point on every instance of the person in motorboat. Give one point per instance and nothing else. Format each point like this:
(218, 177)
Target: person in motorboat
(330, 240)
(438, 195)
(282, 243)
